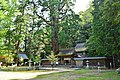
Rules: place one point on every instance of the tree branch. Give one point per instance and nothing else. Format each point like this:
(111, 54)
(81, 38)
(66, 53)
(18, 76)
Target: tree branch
(41, 17)
(61, 7)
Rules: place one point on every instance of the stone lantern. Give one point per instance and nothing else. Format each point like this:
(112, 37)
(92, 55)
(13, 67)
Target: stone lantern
(87, 64)
(29, 63)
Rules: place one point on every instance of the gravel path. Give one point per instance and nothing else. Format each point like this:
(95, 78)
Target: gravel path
(21, 75)
(25, 75)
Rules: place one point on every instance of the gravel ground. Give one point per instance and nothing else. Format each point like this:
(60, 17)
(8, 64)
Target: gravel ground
(26, 75)
(21, 75)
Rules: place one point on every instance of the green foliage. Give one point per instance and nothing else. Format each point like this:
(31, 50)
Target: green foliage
(21, 60)
(105, 39)
(69, 32)
(37, 27)
(52, 57)
(37, 58)
(57, 13)
(86, 23)
(9, 58)
(8, 9)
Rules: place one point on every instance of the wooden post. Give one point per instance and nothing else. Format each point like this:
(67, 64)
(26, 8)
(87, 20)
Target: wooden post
(113, 62)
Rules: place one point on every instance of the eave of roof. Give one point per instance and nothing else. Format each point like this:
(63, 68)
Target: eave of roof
(80, 47)
(45, 59)
(66, 52)
(89, 58)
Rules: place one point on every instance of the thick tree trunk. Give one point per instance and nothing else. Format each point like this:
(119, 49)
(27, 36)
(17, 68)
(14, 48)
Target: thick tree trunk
(54, 24)
(55, 42)
(55, 36)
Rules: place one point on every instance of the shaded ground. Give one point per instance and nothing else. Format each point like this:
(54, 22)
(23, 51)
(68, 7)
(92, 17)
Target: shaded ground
(81, 75)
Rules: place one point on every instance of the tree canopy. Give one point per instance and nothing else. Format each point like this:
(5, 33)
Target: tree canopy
(38, 27)
(105, 38)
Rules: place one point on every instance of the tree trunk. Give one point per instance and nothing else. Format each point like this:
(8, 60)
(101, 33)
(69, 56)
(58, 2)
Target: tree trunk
(55, 36)
(113, 62)
(55, 42)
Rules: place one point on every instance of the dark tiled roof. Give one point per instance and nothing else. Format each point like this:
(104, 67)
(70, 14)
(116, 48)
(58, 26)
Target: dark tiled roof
(66, 52)
(22, 55)
(80, 47)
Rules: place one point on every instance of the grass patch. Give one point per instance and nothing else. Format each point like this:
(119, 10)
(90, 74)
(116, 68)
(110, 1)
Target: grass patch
(90, 78)
(111, 75)
(82, 74)
(108, 75)
(82, 71)
(21, 69)
(51, 75)
(62, 75)
(70, 73)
